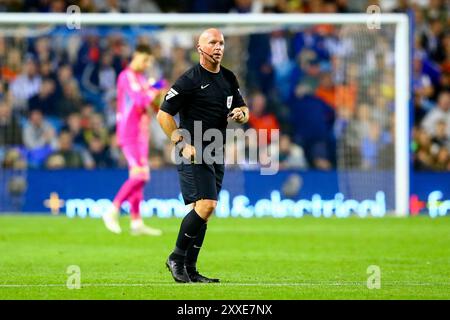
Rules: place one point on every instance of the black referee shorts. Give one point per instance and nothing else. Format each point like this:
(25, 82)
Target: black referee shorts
(200, 181)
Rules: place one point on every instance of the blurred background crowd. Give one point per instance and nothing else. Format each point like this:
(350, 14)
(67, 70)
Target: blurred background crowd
(330, 90)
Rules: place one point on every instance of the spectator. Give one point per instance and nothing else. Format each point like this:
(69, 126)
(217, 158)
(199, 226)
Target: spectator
(440, 113)
(371, 145)
(346, 88)
(306, 70)
(64, 75)
(246, 6)
(440, 139)
(107, 75)
(113, 6)
(444, 82)
(162, 63)
(138, 6)
(89, 6)
(201, 6)
(70, 101)
(326, 91)
(385, 158)
(13, 64)
(45, 100)
(43, 50)
(87, 110)
(73, 126)
(419, 110)
(437, 9)
(350, 129)
(260, 119)
(13, 159)
(55, 162)
(66, 156)
(38, 133)
(291, 155)
(96, 129)
(47, 71)
(88, 54)
(260, 75)
(26, 85)
(90, 82)
(423, 159)
(441, 160)
(430, 40)
(442, 52)
(312, 120)
(329, 6)
(421, 81)
(109, 112)
(180, 64)
(57, 6)
(361, 125)
(39, 138)
(10, 130)
(282, 6)
(280, 53)
(100, 153)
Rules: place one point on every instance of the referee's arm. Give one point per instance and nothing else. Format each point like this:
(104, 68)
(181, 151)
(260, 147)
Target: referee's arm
(169, 126)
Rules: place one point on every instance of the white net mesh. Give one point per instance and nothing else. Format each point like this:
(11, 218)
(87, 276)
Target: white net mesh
(346, 70)
(365, 124)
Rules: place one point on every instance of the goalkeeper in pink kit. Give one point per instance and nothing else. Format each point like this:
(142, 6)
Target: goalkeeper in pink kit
(134, 96)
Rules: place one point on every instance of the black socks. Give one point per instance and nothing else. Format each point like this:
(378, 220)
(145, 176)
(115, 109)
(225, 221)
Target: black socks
(189, 230)
(194, 249)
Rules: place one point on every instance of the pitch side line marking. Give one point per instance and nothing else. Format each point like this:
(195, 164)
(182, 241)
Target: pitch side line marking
(302, 284)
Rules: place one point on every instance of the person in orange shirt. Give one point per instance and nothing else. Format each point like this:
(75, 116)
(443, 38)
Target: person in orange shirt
(261, 119)
(337, 96)
(326, 91)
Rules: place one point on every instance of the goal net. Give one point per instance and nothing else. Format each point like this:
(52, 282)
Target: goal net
(338, 88)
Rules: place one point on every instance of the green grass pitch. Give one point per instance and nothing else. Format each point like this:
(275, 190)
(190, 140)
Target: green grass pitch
(306, 258)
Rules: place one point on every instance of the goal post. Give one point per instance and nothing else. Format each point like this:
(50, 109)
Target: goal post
(401, 43)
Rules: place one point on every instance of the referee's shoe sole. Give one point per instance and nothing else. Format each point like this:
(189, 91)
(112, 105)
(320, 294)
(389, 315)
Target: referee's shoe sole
(178, 271)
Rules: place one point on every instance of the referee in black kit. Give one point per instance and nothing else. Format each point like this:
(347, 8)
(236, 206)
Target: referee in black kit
(206, 93)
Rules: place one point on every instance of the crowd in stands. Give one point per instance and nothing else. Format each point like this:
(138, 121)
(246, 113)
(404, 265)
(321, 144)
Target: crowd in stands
(334, 106)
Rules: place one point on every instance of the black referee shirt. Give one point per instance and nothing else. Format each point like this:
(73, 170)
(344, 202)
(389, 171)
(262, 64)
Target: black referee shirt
(201, 95)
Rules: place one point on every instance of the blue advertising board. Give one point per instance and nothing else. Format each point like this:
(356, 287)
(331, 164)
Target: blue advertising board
(430, 193)
(289, 193)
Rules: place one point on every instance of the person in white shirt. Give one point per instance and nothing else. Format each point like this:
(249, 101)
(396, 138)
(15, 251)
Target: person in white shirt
(26, 85)
(439, 113)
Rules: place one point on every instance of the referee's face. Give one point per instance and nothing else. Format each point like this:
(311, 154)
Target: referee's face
(212, 42)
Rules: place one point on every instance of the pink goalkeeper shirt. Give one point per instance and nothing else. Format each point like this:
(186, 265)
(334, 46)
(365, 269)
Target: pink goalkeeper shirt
(134, 95)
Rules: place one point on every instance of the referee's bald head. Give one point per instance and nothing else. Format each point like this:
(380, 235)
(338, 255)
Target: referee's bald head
(211, 45)
(208, 33)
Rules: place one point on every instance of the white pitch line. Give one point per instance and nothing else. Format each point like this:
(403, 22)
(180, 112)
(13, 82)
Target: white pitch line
(231, 284)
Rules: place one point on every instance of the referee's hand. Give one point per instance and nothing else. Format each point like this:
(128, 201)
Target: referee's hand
(189, 152)
(237, 115)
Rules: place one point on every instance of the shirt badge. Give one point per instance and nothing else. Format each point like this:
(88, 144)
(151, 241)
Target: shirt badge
(229, 101)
